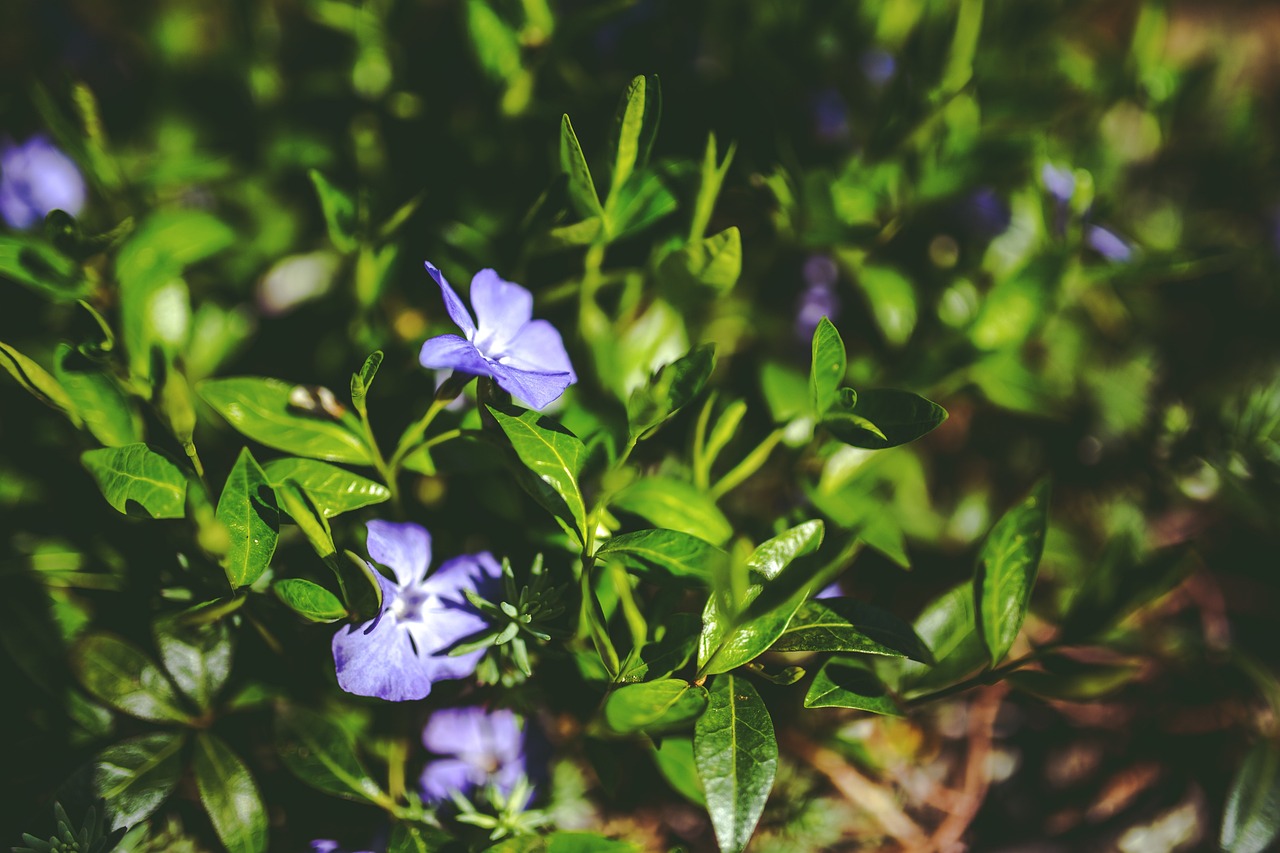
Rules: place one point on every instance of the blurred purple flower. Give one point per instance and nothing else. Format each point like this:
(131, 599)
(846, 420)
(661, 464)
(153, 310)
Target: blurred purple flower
(831, 590)
(398, 655)
(526, 357)
(830, 116)
(1060, 182)
(478, 747)
(819, 298)
(878, 66)
(35, 178)
(985, 213)
(1107, 243)
(326, 845)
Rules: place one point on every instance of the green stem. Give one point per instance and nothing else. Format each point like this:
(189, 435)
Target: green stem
(990, 676)
(384, 470)
(748, 466)
(701, 470)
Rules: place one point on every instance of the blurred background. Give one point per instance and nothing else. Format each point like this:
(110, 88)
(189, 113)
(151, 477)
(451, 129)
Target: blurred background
(1061, 220)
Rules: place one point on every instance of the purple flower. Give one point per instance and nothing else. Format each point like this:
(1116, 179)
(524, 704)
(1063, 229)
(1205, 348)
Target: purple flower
(831, 590)
(478, 747)
(1060, 182)
(1107, 243)
(526, 357)
(830, 116)
(327, 845)
(985, 213)
(36, 178)
(878, 66)
(401, 653)
(819, 298)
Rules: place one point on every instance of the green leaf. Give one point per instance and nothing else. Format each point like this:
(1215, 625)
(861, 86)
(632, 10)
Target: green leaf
(1006, 571)
(674, 756)
(136, 480)
(582, 190)
(562, 842)
(247, 507)
(669, 650)
(1252, 817)
(774, 555)
(948, 627)
(496, 45)
(339, 213)
(828, 368)
(260, 409)
(295, 501)
(335, 490)
(708, 187)
(843, 683)
(654, 706)
(642, 202)
(737, 757)
(309, 600)
(121, 675)
(97, 398)
(845, 625)
(360, 382)
(230, 796)
(38, 382)
(899, 417)
(635, 127)
(714, 262)
(675, 505)
(197, 656)
(892, 300)
(415, 838)
(36, 264)
(670, 389)
(137, 775)
(321, 753)
(679, 554)
(555, 457)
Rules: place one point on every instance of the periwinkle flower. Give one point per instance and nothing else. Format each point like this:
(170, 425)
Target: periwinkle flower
(477, 747)
(878, 66)
(985, 213)
(1107, 243)
(35, 178)
(830, 116)
(398, 655)
(526, 357)
(819, 298)
(328, 845)
(831, 590)
(1059, 181)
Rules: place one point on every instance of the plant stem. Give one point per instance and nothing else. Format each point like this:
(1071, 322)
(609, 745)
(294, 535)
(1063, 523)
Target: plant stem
(379, 462)
(989, 676)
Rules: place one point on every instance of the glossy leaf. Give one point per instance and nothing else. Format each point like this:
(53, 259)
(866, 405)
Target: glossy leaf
(582, 190)
(555, 458)
(260, 409)
(670, 389)
(339, 212)
(361, 382)
(844, 683)
(679, 554)
(136, 480)
(197, 656)
(321, 753)
(123, 676)
(675, 505)
(635, 127)
(826, 374)
(137, 775)
(36, 264)
(654, 705)
(898, 416)
(295, 501)
(737, 756)
(229, 796)
(334, 490)
(845, 625)
(948, 627)
(774, 555)
(1006, 571)
(248, 509)
(669, 650)
(37, 381)
(1251, 821)
(714, 262)
(309, 600)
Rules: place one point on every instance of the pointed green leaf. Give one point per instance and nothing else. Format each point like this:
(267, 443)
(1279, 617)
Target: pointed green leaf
(555, 457)
(295, 501)
(667, 651)
(361, 381)
(675, 505)
(309, 600)
(829, 365)
(670, 389)
(715, 263)
(1006, 571)
(197, 655)
(898, 417)
(947, 626)
(681, 555)
(737, 757)
(843, 683)
(230, 796)
(845, 625)
(247, 507)
(261, 409)
(708, 187)
(496, 45)
(339, 213)
(1251, 821)
(136, 480)
(137, 775)
(124, 677)
(37, 381)
(654, 706)
(582, 190)
(335, 490)
(321, 753)
(774, 555)
(635, 127)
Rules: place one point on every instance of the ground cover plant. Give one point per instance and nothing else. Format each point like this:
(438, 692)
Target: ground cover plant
(555, 426)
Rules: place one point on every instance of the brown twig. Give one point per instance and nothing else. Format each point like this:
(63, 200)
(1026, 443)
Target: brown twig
(982, 721)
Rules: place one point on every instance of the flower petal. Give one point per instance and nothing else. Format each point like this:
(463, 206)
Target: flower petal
(381, 663)
(405, 548)
(476, 572)
(452, 303)
(459, 731)
(539, 348)
(537, 389)
(502, 308)
(451, 351)
(440, 779)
